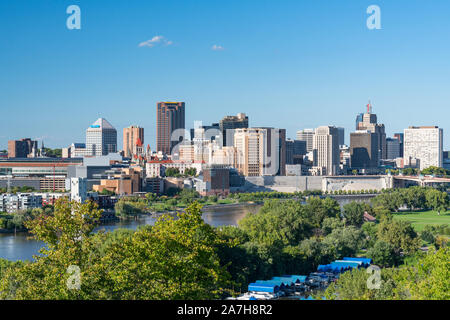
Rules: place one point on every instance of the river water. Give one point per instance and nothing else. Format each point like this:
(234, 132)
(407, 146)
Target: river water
(21, 247)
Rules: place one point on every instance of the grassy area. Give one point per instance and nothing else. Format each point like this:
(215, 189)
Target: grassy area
(422, 218)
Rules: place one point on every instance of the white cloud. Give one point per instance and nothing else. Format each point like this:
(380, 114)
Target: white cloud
(217, 48)
(154, 41)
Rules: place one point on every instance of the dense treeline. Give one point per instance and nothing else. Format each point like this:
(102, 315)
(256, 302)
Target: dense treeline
(414, 198)
(184, 258)
(16, 221)
(427, 278)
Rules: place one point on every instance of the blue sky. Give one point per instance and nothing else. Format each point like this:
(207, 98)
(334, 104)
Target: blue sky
(288, 63)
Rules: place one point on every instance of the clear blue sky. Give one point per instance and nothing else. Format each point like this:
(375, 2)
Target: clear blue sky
(286, 63)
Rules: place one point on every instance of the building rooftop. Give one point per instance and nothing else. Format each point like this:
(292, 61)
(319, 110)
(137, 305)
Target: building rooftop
(102, 123)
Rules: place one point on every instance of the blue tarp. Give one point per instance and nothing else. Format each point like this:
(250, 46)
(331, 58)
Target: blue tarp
(324, 267)
(279, 283)
(367, 261)
(298, 279)
(261, 287)
(347, 264)
(287, 281)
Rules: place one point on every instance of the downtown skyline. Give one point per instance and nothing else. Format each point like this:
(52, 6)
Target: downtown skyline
(305, 65)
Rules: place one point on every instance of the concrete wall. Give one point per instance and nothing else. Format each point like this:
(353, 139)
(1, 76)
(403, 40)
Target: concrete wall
(324, 183)
(282, 183)
(356, 183)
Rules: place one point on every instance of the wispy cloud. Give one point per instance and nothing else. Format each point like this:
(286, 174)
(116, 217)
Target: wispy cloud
(217, 48)
(154, 41)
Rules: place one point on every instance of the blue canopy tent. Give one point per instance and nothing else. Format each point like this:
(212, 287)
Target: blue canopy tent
(263, 287)
(348, 264)
(272, 282)
(338, 268)
(324, 268)
(287, 281)
(366, 261)
(298, 279)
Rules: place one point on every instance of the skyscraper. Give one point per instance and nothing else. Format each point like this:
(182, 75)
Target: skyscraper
(260, 151)
(101, 138)
(364, 151)
(392, 148)
(133, 139)
(228, 123)
(369, 123)
(326, 149)
(400, 138)
(170, 125)
(341, 134)
(359, 119)
(306, 135)
(425, 144)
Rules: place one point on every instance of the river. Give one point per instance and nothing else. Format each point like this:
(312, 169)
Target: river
(20, 247)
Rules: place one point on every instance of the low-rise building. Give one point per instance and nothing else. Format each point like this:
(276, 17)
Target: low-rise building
(22, 201)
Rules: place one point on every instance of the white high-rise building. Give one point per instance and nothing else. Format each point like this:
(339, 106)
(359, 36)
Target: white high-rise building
(326, 150)
(101, 138)
(78, 189)
(424, 144)
(308, 136)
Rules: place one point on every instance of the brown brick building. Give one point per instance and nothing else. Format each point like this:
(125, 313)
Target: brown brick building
(170, 116)
(133, 141)
(21, 148)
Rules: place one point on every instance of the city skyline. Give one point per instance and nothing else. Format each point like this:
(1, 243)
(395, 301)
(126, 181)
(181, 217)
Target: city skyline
(315, 61)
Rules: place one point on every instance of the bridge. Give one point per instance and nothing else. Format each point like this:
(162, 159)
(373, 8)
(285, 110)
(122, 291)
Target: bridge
(423, 181)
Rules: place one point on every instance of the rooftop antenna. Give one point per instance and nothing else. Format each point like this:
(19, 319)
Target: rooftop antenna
(369, 107)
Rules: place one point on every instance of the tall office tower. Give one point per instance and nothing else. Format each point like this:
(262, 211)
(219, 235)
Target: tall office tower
(369, 123)
(170, 125)
(232, 122)
(21, 148)
(101, 138)
(359, 119)
(308, 136)
(133, 140)
(400, 138)
(289, 151)
(260, 151)
(364, 150)
(392, 148)
(295, 150)
(424, 144)
(341, 134)
(326, 149)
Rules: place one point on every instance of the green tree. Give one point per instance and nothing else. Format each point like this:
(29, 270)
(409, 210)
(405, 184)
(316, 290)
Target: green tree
(399, 234)
(346, 241)
(354, 213)
(437, 200)
(383, 254)
(278, 222)
(175, 259)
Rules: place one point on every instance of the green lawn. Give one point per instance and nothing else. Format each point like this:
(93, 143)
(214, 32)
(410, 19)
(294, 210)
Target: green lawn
(420, 219)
